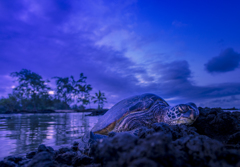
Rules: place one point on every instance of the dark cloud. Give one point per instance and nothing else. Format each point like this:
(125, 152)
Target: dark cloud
(175, 82)
(228, 60)
(175, 71)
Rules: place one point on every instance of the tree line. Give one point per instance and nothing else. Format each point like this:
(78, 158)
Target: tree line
(34, 93)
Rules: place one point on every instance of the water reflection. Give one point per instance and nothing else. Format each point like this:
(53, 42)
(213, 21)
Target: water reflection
(24, 132)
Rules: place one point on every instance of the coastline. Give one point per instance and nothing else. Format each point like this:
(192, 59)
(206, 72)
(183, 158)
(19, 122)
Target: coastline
(94, 112)
(213, 140)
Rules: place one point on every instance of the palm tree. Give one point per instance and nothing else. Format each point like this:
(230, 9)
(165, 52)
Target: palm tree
(100, 98)
(64, 89)
(82, 90)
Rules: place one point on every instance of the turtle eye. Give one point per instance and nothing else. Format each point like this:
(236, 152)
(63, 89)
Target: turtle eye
(183, 108)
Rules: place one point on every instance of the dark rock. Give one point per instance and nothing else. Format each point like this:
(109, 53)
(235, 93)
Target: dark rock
(50, 149)
(42, 147)
(7, 164)
(161, 127)
(109, 148)
(43, 158)
(234, 138)
(112, 134)
(179, 131)
(75, 143)
(144, 132)
(30, 155)
(64, 150)
(97, 112)
(23, 162)
(164, 145)
(74, 148)
(231, 157)
(14, 159)
(144, 162)
(81, 160)
(217, 124)
(65, 158)
(124, 148)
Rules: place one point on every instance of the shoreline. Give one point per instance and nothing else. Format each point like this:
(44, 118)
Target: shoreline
(94, 112)
(213, 140)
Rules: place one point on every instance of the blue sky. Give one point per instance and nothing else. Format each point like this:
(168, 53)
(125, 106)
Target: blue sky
(180, 50)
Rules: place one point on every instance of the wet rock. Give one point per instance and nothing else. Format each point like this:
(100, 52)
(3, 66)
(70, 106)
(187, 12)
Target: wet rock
(41, 159)
(50, 149)
(128, 148)
(75, 143)
(23, 162)
(75, 146)
(81, 160)
(164, 145)
(7, 164)
(144, 162)
(144, 132)
(157, 147)
(234, 139)
(14, 159)
(65, 158)
(162, 127)
(217, 124)
(229, 156)
(112, 134)
(204, 151)
(30, 155)
(64, 150)
(179, 131)
(42, 147)
(108, 149)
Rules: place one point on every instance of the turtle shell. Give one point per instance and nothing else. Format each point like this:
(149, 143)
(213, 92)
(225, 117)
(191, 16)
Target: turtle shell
(115, 114)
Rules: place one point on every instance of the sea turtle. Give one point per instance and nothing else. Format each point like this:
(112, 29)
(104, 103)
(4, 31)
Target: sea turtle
(144, 110)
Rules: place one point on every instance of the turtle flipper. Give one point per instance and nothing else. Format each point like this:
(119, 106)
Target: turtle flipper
(95, 137)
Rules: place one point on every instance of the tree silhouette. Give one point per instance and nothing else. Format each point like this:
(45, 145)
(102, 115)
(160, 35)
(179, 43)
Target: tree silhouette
(30, 85)
(9, 104)
(82, 90)
(100, 99)
(65, 90)
(70, 90)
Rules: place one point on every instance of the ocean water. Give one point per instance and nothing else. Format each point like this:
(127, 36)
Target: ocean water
(24, 132)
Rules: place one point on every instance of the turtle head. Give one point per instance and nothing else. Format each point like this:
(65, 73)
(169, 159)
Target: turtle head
(182, 114)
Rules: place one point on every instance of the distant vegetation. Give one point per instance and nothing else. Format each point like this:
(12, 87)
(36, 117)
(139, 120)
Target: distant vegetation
(233, 108)
(219, 108)
(34, 93)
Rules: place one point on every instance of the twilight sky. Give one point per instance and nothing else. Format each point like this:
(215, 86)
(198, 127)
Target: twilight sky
(180, 50)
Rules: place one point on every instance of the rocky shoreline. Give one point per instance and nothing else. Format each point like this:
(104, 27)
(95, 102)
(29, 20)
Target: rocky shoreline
(213, 140)
(97, 112)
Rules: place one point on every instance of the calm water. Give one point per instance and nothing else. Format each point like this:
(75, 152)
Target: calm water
(24, 132)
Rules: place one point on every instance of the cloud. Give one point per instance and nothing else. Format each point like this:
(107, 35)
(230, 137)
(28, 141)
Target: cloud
(228, 60)
(175, 82)
(61, 38)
